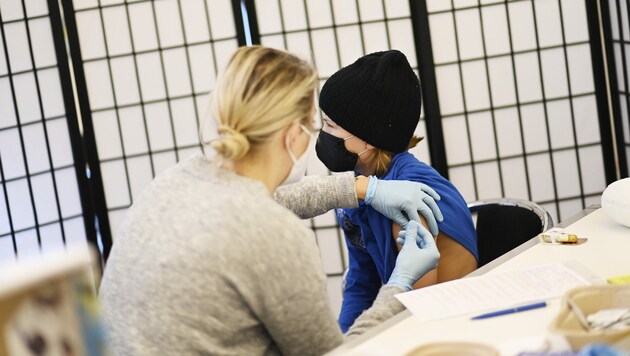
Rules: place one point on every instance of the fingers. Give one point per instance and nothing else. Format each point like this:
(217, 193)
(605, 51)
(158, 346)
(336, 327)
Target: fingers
(412, 213)
(410, 242)
(434, 207)
(425, 236)
(400, 240)
(427, 211)
(400, 219)
(425, 188)
(430, 218)
(411, 228)
(418, 237)
(411, 232)
(415, 232)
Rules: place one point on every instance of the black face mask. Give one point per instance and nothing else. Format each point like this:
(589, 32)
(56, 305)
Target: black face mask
(333, 153)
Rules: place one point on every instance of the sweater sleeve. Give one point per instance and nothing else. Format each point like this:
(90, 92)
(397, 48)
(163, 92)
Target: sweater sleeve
(293, 305)
(284, 285)
(315, 195)
(385, 306)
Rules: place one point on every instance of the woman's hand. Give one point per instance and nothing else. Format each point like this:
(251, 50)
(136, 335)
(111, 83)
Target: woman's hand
(393, 198)
(418, 255)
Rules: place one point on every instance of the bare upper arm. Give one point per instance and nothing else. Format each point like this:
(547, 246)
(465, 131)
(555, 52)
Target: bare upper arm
(431, 277)
(455, 260)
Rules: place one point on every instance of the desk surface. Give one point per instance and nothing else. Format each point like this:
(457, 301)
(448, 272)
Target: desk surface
(605, 253)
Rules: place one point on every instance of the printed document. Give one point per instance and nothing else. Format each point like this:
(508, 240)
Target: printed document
(494, 291)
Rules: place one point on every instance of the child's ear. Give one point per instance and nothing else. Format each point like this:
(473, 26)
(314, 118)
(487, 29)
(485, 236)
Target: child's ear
(369, 147)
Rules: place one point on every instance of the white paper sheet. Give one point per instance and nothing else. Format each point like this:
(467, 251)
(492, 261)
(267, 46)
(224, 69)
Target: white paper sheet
(494, 291)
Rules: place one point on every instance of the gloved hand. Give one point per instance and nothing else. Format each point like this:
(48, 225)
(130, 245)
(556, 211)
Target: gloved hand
(600, 349)
(392, 198)
(418, 255)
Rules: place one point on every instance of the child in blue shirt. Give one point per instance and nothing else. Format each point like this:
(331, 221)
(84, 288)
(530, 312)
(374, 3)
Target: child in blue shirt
(370, 110)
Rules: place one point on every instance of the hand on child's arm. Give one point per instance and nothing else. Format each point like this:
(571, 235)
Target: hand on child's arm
(401, 201)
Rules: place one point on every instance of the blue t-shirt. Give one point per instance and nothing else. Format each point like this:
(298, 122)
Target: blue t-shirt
(372, 249)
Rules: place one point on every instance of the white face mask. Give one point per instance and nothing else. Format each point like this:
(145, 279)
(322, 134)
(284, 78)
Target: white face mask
(299, 164)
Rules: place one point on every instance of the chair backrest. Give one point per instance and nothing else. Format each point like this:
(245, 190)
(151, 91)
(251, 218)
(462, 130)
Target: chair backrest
(503, 224)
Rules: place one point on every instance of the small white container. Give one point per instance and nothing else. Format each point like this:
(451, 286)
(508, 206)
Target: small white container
(616, 201)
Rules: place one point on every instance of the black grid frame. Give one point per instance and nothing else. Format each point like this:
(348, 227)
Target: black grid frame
(492, 169)
(148, 68)
(608, 99)
(615, 15)
(44, 202)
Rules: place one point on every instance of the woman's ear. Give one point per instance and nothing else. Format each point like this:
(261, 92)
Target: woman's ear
(291, 133)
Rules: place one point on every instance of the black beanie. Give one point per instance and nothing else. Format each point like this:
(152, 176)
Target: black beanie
(376, 98)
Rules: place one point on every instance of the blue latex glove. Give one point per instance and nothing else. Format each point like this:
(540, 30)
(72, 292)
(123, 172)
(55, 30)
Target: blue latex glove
(418, 255)
(600, 350)
(393, 198)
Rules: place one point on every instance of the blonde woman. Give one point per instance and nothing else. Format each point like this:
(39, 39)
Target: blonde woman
(209, 263)
(371, 110)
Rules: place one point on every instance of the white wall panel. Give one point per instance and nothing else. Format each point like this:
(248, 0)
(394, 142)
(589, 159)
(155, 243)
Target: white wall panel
(518, 74)
(147, 64)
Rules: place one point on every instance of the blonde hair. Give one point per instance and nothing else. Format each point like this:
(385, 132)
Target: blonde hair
(381, 159)
(262, 91)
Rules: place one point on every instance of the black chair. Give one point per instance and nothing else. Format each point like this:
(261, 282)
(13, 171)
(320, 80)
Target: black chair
(504, 224)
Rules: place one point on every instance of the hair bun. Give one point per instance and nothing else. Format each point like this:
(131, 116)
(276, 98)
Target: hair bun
(231, 144)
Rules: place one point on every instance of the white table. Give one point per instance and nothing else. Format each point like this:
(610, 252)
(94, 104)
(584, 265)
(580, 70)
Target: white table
(606, 253)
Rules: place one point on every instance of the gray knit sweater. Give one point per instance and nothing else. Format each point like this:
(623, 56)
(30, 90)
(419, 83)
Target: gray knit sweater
(208, 263)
